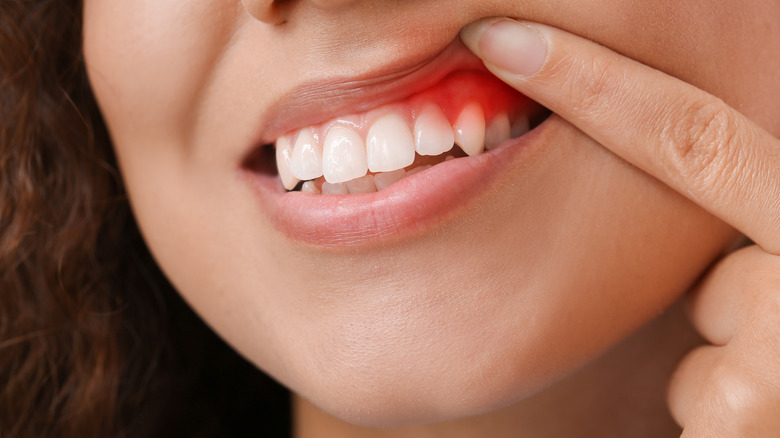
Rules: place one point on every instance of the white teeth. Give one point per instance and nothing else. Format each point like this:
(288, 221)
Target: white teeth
(498, 132)
(364, 184)
(469, 129)
(432, 131)
(343, 156)
(390, 145)
(386, 179)
(520, 127)
(334, 189)
(310, 187)
(306, 159)
(284, 150)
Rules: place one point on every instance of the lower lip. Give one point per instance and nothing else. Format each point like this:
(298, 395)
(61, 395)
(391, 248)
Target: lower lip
(413, 205)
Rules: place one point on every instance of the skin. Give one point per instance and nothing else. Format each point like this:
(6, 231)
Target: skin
(712, 154)
(580, 251)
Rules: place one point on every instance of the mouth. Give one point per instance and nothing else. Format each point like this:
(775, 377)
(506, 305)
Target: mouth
(401, 166)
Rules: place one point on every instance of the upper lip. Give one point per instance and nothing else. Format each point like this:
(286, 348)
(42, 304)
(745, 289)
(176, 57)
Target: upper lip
(320, 100)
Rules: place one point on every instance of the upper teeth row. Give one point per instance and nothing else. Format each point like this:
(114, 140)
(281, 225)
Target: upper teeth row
(389, 144)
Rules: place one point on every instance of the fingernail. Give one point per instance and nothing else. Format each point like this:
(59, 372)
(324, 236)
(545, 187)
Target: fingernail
(506, 44)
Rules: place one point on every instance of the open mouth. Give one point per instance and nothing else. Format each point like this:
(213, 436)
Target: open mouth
(465, 114)
(426, 152)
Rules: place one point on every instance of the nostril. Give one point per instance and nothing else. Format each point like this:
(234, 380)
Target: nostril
(331, 4)
(267, 11)
(276, 11)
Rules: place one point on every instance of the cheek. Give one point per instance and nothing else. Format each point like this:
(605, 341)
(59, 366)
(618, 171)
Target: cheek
(727, 48)
(148, 60)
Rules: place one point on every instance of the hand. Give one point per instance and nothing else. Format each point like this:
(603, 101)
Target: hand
(707, 151)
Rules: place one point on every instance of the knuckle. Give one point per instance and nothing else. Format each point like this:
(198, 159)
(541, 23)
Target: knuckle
(759, 277)
(589, 81)
(700, 145)
(733, 394)
(753, 266)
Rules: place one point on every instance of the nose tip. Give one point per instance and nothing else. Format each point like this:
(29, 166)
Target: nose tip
(275, 11)
(267, 11)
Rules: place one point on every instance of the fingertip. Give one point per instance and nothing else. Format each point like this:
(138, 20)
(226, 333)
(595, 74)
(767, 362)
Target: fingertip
(471, 33)
(509, 45)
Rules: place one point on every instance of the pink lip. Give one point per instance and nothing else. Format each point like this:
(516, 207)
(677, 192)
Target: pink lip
(318, 101)
(412, 205)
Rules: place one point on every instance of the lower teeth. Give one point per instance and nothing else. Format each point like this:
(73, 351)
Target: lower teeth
(366, 184)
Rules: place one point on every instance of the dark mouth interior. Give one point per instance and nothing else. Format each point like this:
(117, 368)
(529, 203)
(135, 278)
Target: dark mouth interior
(262, 160)
(538, 117)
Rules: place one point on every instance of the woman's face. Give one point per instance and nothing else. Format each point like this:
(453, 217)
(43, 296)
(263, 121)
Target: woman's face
(461, 289)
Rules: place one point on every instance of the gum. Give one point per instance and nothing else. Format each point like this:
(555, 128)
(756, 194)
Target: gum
(451, 94)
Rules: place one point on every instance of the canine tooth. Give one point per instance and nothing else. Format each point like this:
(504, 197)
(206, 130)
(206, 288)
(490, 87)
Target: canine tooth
(469, 129)
(418, 169)
(385, 179)
(364, 184)
(390, 145)
(343, 156)
(520, 126)
(334, 189)
(284, 149)
(432, 132)
(498, 131)
(306, 159)
(310, 187)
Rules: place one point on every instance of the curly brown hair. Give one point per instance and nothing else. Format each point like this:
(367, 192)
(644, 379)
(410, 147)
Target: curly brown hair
(93, 340)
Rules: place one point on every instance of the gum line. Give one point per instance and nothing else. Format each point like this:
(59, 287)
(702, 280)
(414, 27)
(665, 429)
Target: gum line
(487, 105)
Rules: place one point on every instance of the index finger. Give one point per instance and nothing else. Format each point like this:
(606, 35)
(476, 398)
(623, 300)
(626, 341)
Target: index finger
(685, 137)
